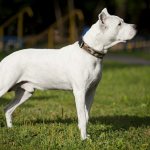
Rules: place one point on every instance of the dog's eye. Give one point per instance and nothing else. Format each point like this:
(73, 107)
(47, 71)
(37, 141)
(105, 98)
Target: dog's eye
(119, 24)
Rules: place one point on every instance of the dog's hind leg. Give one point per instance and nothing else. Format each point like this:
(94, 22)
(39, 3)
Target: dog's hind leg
(21, 95)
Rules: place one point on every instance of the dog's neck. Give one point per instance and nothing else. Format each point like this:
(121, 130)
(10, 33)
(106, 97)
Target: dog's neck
(92, 38)
(95, 39)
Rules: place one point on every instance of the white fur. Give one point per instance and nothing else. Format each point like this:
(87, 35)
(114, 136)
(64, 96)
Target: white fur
(69, 68)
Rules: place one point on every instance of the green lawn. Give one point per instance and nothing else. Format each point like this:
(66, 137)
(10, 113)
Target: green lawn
(120, 116)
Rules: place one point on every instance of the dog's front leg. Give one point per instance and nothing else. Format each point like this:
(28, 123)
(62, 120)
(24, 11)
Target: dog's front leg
(88, 102)
(80, 106)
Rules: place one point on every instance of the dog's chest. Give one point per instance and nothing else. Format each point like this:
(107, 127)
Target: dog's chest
(94, 74)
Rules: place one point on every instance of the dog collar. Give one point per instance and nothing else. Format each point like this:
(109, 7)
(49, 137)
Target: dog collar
(90, 50)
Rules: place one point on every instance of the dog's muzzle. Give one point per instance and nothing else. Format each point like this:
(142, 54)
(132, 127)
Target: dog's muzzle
(90, 50)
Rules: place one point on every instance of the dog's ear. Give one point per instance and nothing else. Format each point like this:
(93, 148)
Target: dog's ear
(103, 15)
(105, 11)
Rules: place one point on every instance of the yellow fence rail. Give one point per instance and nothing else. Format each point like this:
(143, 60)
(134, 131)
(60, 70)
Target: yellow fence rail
(19, 17)
(49, 32)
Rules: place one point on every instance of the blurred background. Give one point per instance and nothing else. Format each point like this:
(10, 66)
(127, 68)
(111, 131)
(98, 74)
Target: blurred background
(54, 23)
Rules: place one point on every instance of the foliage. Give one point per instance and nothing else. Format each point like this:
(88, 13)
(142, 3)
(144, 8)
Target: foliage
(45, 12)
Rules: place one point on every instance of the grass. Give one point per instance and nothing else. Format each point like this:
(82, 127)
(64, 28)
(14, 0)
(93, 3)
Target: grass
(120, 116)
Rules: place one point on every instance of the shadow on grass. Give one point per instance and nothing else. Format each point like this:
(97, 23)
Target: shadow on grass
(41, 121)
(117, 122)
(57, 121)
(122, 122)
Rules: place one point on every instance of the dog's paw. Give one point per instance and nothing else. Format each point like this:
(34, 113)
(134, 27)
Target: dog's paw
(87, 138)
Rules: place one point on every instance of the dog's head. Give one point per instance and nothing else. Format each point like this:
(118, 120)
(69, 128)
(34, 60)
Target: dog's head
(115, 28)
(108, 31)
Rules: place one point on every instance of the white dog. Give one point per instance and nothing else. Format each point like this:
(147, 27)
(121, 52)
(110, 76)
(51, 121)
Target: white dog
(76, 67)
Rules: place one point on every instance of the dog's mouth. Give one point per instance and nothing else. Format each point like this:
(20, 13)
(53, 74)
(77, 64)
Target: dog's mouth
(130, 36)
(114, 43)
(122, 41)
